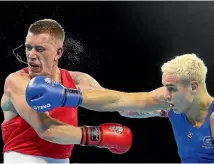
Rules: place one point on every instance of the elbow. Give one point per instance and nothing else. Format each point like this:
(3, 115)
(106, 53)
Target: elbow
(43, 132)
(45, 135)
(44, 126)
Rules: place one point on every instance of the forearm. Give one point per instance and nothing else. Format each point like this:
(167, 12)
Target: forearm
(110, 100)
(140, 115)
(60, 133)
(102, 100)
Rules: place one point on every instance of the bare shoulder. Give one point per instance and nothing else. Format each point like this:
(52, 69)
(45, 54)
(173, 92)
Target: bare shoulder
(10, 79)
(78, 76)
(14, 79)
(84, 80)
(12, 82)
(6, 103)
(7, 107)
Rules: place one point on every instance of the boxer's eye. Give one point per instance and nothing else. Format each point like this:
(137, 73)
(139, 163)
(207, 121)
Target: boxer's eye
(39, 49)
(171, 89)
(28, 48)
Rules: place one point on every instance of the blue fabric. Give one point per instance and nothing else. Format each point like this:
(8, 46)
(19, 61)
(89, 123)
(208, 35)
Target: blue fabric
(195, 145)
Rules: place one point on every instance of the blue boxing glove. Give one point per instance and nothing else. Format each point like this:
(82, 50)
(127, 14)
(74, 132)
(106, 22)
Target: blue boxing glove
(43, 94)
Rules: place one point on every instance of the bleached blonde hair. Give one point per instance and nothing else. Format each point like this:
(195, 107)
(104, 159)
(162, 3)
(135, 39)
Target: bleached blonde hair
(187, 66)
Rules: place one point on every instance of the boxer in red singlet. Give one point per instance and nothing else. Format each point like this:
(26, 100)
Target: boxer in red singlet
(49, 137)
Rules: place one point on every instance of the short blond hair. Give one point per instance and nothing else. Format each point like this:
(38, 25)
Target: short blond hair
(49, 26)
(187, 66)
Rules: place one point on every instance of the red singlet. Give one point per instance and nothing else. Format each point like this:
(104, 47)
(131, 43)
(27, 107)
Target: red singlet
(20, 137)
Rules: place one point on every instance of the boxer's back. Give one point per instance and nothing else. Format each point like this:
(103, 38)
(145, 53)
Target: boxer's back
(194, 144)
(19, 136)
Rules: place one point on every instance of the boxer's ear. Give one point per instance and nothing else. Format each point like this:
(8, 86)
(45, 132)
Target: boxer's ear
(59, 53)
(194, 86)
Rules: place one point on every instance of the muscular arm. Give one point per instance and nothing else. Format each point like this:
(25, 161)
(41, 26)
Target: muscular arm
(97, 98)
(110, 100)
(46, 127)
(84, 81)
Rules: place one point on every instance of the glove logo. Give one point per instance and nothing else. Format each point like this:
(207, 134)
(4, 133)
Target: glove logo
(50, 81)
(117, 129)
(41, 107)
(94, 134)
(47, 80)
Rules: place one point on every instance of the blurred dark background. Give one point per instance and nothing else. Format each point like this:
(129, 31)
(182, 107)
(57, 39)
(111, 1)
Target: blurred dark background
(125, 44)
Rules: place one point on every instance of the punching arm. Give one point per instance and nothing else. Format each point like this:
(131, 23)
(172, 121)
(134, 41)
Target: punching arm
(140, 115)
(42, 91)
(110, 100)
(85, 82)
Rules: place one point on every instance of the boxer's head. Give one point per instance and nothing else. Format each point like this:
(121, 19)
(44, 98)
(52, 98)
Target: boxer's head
(44, 46)
(184, 78)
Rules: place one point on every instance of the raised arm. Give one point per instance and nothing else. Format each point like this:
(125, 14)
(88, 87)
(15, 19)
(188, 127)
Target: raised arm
(109, 100)
(46, 127)
(97, 98)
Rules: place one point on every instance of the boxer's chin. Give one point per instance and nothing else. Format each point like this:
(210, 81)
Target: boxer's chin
(34, 71)
(33, 74)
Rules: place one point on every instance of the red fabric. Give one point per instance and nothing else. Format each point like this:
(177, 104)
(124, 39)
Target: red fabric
(19, 136)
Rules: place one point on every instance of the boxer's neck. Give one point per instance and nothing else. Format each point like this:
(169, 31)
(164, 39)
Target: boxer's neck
(199, 109)
(55, 73)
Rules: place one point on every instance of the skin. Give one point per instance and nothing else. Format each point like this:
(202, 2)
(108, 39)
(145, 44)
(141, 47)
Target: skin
(44, 51)
(190, 98)
(187, 96)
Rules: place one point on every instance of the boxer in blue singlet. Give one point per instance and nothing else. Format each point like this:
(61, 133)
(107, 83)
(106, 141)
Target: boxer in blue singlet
(184, 90)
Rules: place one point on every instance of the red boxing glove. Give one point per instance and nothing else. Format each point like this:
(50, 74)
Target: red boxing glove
(115, 137)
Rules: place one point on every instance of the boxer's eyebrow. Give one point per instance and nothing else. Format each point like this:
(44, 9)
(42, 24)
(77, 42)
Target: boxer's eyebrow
(35, 46)
(38, 48)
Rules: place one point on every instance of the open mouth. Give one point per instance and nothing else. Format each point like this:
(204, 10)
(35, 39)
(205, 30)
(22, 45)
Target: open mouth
(33, 65)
